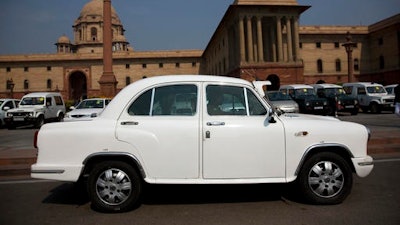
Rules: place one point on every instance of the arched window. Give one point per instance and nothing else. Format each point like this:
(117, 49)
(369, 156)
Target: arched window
(338, 64)
(93, 33)
(49, 84)
(356, 65)
(319, 66)
(26, 84)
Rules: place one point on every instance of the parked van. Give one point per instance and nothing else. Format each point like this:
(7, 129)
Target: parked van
(371, 96)
(337, 98)
(36, 109)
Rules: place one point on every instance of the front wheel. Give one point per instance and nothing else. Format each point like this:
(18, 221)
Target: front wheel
(326, 178)
(114, 186)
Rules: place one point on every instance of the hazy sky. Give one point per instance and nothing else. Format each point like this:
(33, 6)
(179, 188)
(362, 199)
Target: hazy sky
(33, 26)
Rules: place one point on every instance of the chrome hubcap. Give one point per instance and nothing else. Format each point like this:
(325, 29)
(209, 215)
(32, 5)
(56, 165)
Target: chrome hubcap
(326, 179)
(113, 187)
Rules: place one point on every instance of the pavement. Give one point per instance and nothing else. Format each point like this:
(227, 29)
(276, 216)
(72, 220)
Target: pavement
(384, 143)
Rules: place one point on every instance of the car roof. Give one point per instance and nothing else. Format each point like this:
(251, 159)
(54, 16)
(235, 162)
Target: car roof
(41, 94)
(296, 86)
(327, 85)
(139, 86)
(364, 84)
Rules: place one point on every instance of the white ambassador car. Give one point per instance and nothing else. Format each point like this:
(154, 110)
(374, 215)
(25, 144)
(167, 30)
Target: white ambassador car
(174, 130)
(87, 109)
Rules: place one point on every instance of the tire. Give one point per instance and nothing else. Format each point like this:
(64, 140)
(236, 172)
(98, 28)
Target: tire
(375, 108)
(39, 122)
(114, 186)
(326, 178)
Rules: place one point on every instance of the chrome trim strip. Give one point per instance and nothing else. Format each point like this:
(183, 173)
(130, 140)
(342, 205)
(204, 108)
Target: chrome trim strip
(48, 171)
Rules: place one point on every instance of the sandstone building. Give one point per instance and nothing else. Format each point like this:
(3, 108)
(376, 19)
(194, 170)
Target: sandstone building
(255, 40)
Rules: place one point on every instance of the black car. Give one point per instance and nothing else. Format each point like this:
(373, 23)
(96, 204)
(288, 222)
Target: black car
(338, 100)
(308, 101)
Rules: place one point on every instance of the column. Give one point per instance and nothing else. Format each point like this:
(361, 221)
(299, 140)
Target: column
(296, 38)
(279, 38)
(241, 40)
(289, 39)
(250, 40)
(260, 40)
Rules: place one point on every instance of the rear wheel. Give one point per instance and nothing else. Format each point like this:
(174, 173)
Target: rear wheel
(326, 178)
(114, 186)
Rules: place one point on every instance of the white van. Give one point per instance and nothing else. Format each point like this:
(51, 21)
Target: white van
(36, 109)
(371, 96)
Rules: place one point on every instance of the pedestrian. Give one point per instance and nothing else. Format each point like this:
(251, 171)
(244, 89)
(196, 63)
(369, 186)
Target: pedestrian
(397, 100)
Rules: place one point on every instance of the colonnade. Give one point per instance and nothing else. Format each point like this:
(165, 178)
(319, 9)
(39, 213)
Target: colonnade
(268, 39)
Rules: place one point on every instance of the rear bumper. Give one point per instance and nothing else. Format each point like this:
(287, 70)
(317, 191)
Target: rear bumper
(61, 173)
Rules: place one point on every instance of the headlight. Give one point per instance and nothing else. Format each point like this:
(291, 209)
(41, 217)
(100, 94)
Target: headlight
(31, 114)
(9, 115)
(325, 103)
(339, 102)
(307, 103)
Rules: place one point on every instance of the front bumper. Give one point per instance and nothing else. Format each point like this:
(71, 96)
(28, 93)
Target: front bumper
(363, 165)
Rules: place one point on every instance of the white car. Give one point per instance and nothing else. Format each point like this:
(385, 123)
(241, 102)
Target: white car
(150, 133)
(87, 109)
(5, 105)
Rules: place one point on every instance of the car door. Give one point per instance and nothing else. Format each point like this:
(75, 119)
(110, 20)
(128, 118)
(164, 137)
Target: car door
(238, 139)
(162, 125)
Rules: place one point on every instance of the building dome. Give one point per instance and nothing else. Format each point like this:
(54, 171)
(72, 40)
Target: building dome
(93, 11)
(63, 40)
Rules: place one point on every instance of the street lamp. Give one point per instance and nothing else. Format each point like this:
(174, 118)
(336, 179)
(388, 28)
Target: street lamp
(349, 45)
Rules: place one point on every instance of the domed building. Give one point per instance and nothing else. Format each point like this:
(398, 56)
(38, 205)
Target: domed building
(255, 40)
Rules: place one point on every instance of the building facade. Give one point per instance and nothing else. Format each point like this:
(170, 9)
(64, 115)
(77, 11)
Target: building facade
(255, 40)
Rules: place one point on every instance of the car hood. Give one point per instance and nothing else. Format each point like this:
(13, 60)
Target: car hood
(23, 108)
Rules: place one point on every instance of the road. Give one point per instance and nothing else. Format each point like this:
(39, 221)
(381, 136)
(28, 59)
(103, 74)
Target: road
(374, 199)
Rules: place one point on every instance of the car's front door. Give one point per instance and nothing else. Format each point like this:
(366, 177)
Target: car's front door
(238, 139)
(163, 126)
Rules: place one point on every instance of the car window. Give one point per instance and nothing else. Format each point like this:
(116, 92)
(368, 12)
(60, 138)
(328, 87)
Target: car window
(361, 91)
(255, 106)
(173, 100)
(230, 100)
(58, 100)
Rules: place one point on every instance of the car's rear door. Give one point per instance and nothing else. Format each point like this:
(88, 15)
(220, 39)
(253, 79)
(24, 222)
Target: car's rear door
(162, 124)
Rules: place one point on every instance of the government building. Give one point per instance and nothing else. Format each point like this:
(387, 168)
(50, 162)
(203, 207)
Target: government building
(255, 40)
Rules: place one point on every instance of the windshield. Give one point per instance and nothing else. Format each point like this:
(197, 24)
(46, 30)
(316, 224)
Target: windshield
(376, 90)
(32, 101)
(334, 91)
(1, 102)
(278, 96)
(91, 104)
(304, 91)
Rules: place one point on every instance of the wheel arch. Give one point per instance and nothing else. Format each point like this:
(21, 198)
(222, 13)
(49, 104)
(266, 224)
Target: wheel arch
(95, 158)
(338, 149)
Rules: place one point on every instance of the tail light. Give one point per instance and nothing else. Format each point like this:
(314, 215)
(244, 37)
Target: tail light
(35, 138)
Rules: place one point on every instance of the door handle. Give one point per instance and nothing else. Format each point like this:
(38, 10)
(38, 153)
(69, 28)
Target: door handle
(129, 123)
(215, 123)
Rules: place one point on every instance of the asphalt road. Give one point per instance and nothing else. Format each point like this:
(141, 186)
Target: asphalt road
(374, 200)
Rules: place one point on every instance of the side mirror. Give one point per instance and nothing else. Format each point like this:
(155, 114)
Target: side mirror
(6, 108)
(72, 107)
(271, 118)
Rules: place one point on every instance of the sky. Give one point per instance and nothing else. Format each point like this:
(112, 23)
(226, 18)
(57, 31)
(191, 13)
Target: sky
(30, 27)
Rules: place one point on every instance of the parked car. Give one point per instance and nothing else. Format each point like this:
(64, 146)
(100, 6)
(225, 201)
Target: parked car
(5, 105)
(87, 109)
(283, 101)
(141, 137)
(371, 96)
(36, 109)
(308, 101)
(337, 98)
(390, 89)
